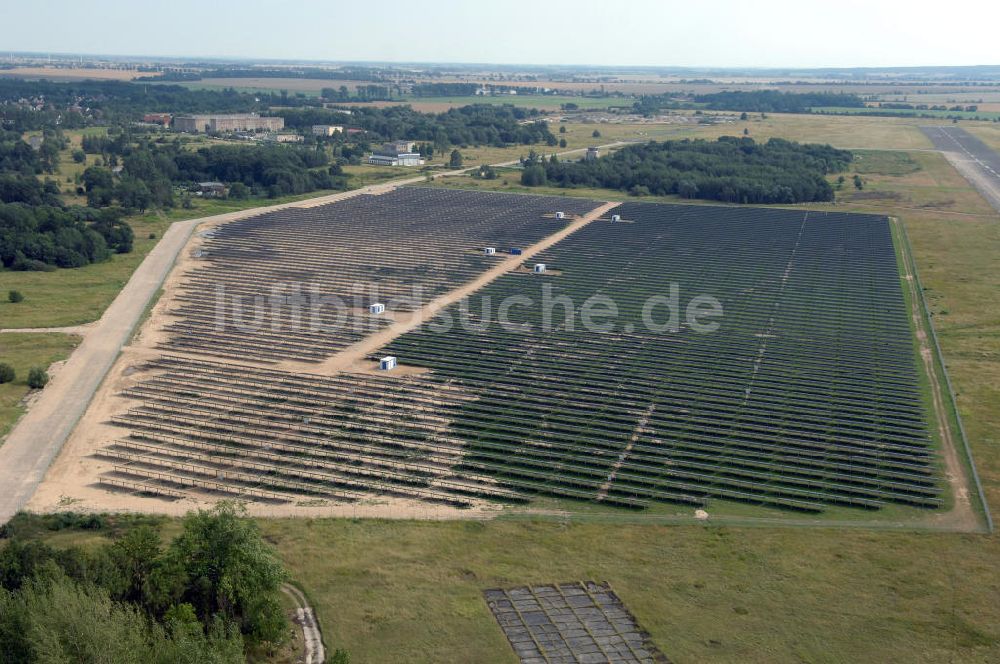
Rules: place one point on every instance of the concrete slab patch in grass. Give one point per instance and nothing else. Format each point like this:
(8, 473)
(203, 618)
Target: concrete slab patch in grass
(570, 622)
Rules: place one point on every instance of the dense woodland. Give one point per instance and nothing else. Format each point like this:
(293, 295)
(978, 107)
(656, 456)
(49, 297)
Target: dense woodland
(731, 169)
(202, 598)
(36, 231)
(476, 124)
(150, 170)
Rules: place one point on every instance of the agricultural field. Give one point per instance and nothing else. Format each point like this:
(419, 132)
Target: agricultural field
(72, 74)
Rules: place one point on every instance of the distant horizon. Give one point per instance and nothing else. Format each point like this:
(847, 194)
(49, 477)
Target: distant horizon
(4, 55)
(770, 34)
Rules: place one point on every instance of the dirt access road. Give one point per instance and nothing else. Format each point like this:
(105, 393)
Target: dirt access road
(352, 355)
(305, 617)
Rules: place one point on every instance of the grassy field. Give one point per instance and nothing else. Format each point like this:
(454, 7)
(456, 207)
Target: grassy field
(967, 115)
(395, 591)
(24, 351)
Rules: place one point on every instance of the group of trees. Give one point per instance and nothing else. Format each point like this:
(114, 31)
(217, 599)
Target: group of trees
(41, 237)
(775, 101)
(151, 170)
(200, 599)
(731, 169)
(752, 101)
(37, 376)
(476, 124)
(81, 103)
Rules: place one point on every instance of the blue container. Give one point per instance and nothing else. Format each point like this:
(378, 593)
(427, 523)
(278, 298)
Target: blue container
(515, 252)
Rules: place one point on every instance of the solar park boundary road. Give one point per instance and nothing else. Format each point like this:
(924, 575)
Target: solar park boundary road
(977, 162)
(807, 401)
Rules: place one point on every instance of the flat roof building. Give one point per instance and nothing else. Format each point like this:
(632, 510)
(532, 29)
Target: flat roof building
(396, 153)
(327, 130)
(225, 122)
(157, 118)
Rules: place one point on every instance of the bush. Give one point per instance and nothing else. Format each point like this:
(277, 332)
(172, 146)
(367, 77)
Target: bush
(596, 134)
(7, 373)
(37, 378)
(15, 296)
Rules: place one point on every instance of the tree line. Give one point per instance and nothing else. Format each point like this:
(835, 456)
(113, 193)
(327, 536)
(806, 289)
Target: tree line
(749, 101)
(476, 124)
(202, 598)
(42, 237)
(730, 169)
(150, 171)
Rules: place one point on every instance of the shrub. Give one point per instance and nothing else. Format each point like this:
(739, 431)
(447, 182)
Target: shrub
(15, 296)
(7, 373)
(37, 378)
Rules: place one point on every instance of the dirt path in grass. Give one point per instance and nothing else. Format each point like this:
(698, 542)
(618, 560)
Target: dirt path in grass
(305, 617)
(355, 356)
(961, 515)
(79, 330)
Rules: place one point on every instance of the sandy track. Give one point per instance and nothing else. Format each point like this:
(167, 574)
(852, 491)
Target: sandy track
(357, 353)
(312, 638)
(79, 330)
(961, 516)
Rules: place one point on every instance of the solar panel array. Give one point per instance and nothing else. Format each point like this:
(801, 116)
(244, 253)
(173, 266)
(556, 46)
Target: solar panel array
(806, 395)
(296, 284)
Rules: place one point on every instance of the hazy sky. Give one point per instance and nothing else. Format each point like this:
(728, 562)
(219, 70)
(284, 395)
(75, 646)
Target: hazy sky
(783, 33)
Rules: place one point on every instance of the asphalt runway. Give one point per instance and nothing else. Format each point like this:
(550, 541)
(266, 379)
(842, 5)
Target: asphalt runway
(976, 161)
